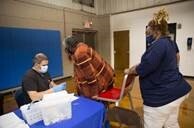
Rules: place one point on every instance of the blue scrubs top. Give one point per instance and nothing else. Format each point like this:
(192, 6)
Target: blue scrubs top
(160, 80)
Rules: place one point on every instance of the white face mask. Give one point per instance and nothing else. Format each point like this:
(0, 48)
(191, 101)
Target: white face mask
(44, 69)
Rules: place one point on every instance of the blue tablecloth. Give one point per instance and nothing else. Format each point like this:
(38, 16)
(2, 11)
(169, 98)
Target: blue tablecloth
(86, 113)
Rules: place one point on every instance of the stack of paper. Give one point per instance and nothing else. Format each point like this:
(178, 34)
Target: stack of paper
(56, 107)
(10, 120)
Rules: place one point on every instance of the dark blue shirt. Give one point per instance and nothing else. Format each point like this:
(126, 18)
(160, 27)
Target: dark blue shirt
(160, 80)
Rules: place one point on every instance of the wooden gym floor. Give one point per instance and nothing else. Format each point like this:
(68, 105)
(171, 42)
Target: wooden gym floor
(186, 114)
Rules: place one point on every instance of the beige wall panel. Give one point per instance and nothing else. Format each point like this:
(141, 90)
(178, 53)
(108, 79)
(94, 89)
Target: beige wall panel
(18, 9)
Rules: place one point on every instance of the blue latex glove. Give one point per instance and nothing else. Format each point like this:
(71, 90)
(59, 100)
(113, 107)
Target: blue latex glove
(59, 87)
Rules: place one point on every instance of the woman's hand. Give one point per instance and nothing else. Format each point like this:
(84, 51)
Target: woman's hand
(131, 71)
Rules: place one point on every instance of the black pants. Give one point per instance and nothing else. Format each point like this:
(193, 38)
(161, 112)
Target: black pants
(1, 104)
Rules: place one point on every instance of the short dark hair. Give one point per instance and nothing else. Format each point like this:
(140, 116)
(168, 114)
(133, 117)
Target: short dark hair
(39, 57)
(70, 43)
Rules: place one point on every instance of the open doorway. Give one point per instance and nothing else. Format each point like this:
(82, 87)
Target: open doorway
(172, 31)
(87, 36)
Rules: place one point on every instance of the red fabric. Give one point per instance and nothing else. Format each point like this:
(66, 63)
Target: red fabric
(113, 93)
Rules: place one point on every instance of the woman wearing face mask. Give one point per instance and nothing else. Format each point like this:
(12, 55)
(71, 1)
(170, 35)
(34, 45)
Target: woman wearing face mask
(163, 87)
(37, 81)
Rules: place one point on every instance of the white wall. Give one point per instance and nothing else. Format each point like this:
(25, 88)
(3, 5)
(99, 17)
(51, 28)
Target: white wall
(136, 21)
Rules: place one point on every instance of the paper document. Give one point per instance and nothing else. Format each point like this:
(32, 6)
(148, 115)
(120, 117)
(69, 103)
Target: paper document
(10, 120)
(63, 95)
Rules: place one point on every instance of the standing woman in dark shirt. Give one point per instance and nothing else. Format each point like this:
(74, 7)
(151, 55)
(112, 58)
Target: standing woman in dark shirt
(162, 85)
(37, 81)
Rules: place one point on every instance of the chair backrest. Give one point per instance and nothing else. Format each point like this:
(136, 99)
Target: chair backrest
(125, 116)
(127, 84)
(20, 97)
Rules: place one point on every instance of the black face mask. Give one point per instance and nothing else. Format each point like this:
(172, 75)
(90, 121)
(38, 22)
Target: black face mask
(68, 51)
(149, 39)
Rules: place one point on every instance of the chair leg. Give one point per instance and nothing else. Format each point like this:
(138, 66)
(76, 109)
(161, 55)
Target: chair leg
(130, 100)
